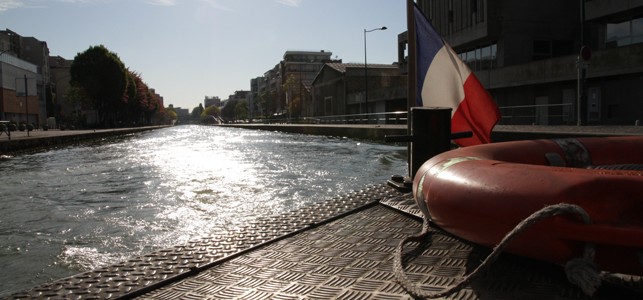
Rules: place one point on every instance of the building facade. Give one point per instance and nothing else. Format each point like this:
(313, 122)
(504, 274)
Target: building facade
(19, 101)
(339, 89)
(60, 76)
(19, 56)
(209, 101)
(297, 71)
(527, 54)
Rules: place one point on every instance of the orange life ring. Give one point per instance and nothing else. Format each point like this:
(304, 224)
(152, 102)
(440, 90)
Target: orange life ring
(480, 193)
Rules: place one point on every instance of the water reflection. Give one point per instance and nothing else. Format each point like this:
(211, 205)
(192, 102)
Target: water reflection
(74, 209)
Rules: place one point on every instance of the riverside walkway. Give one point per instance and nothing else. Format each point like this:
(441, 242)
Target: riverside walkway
(341, 248)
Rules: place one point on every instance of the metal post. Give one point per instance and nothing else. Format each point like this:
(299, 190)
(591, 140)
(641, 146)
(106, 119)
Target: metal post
(579, 92)
(26, 107)
(365, 76)
(366, 69)
(431, 132)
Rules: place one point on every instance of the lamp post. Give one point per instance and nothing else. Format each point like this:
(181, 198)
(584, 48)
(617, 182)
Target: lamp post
(366, 68)
(1, 103)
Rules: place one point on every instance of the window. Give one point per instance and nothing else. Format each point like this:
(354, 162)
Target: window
(482, 58)
(624, 33)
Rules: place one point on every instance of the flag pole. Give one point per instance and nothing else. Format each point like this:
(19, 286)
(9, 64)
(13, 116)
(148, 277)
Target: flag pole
(411, 67)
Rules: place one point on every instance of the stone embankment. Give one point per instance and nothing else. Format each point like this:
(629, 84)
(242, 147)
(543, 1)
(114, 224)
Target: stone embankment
(501, 133)
(24, 141)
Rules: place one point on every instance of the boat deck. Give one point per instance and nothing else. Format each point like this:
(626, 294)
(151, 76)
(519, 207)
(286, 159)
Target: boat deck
(340, 249)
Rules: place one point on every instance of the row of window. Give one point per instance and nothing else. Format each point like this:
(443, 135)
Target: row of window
(482, 58)
(624, 33)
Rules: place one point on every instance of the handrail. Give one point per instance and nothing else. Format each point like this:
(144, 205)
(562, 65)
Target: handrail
(395, 117)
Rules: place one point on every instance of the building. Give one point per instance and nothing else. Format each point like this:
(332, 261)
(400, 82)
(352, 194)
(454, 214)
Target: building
(36, 52)
(60, 76)
(269, 89)
(19, 101)
(528, 53)
(339, 89)
(297, 71)
(209, 101)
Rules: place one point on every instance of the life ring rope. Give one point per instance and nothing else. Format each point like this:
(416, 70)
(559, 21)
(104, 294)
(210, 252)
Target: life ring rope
(581, 271)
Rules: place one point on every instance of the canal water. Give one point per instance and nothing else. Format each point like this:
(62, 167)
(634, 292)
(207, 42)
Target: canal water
(73, 209)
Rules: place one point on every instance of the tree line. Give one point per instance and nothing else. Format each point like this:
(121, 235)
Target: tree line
(100, 82)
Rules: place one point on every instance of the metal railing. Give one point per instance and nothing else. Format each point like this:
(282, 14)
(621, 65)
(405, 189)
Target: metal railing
(538, 114)
(395, 117)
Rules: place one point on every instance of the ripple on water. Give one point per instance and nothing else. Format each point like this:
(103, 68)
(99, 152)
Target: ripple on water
(73, 209)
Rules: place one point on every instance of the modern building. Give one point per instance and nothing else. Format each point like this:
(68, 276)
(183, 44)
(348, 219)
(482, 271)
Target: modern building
(269, 89)
(19, 101)
(35, 52)
(528, 55)
(339, 89)
(297, 72)
(209, 101)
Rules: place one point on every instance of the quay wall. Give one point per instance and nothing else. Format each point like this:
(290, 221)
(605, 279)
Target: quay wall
(43, 139)
(501, 133)
(363, 132)
(46, 139)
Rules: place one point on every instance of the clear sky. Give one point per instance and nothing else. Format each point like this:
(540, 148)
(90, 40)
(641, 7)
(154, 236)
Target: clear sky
(189, 49)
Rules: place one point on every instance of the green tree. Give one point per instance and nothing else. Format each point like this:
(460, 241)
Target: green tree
(211, 110)
(228, 111)
(269, 102)
(171, 114)
(197, 111)
(102, 77)
(293, 92)
(241, 110)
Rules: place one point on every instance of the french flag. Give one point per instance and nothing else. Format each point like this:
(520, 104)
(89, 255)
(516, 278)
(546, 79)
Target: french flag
(443, 80)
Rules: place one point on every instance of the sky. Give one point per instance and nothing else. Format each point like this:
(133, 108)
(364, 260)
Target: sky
(189, 49)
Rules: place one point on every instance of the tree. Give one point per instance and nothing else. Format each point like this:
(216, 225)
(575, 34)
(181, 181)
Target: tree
(293, 94)
(102, 77)
(228, 111)
(241, 110)
(211, 110)
(269, 101)
(197, 111)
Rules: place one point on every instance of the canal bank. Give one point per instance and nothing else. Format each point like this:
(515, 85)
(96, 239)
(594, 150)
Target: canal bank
(23, 140)
(340, 248)
(501, 133)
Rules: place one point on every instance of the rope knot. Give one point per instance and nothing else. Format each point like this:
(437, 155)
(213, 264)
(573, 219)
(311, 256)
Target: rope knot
(584, 273)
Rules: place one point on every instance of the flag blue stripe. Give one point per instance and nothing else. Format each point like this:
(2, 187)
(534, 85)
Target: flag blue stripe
(428, 43)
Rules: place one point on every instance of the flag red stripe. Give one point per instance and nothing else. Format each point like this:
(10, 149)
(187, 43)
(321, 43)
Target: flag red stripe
(477, 112)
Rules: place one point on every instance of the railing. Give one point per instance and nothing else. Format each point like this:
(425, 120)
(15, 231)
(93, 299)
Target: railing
(396, 117)
(539, 114)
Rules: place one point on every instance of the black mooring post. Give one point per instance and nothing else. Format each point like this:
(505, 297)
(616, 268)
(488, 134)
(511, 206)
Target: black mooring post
(431, 132)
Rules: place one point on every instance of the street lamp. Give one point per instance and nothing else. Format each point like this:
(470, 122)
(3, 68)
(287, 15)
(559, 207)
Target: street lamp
(366, 68)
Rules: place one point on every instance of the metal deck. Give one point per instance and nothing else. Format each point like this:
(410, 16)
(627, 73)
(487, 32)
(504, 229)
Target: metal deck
(340, 249)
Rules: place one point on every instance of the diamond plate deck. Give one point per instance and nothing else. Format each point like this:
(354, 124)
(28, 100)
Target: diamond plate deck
(141, 274)
(350, 258)
(338, 249)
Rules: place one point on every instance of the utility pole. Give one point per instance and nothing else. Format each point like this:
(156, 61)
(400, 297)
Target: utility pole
(26, 107)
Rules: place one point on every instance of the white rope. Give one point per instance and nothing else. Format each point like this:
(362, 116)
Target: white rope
(580, 271)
